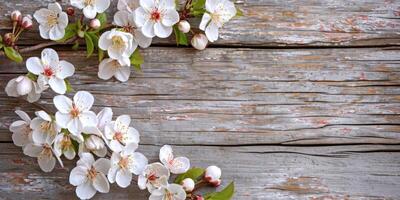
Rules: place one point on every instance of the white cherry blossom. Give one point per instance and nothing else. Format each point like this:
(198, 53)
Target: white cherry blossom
(118, 44)
(188, 184)
(125, 20)
(154, 176)
(44, 127)
(128, 5)
(169, 192)
(22, 86)
(75, 115)
(22, 133)
(52, 21)
(124, 163)
(90, 176)
(51, 70)
(44, 154)
(110, 67)
(95, 144)
(218, 13)
(63, 146)
(91, 7)
(177, 165)
(156, 17)
(119, 133)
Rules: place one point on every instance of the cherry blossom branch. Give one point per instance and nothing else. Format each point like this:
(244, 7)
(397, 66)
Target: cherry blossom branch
(43, 45)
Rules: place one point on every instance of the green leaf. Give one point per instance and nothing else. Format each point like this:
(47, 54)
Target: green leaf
(89, 45)
(1, 45)
(102, 17)
(12, 54)
(70, 31)
(137, 59)
(32, 76)
(181, 38)
(225, 194)
(69, 87)
(193, 173)
(1, 38)
(76, 45)
(100, 53)
(198, 8)
(94, 37)
(239, 13)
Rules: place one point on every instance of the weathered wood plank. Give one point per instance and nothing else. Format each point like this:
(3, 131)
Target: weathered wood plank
(260, 172)
(245, 96)
(281, 23)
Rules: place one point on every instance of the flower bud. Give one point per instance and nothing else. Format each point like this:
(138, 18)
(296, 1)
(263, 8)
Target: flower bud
(16, 16)
(8, 39)
(24, 85)
(70, 11)
(95, 24)
(184, 26)
(199, 41)
(213, 175)
(27, 22)
(94, 143)
(199, 197)
(188, 184)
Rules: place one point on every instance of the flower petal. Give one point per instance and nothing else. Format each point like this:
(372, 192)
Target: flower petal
(43, 115)
(67, 69)
(102, 5)
(86, 160)
(46, 162)
(62, 103)
(32, 150)
(166, 154)
(148, 29)
(121, 18)
(167, 4)
(106, 69)
(122, 123)
(44, 31)
(56, 7)
(123, 178)
(142, 40)
(104, 41)
(56, 32)
(129, 149)
(83, 100)
(88, 118)
(102, 165)
(211, 5)
(85, 190)
(75, 126)
(34, 65)
(140, 163)
(204, 21)
(89, 12)
(78, 176)
(162, 31)
(104, 117)
(100, 183)
(58, 85)
(212, 32)
(180, 165)
(170, 17)
(23, 115)
(123, 73)
(132, 136)
(20, 139)
(70, 153)
(63, 119)
(112, 173)
(146, 4)
(78, 3)
(142, 182)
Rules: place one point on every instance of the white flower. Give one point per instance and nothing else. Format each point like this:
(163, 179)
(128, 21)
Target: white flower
(89, 176)
(94, 144)
(110, 67)
(124, 163)
(213, 175)
(63, 145)
(156, 17)
(125, 20)
(52, 21)
(199, 41)
(218, 13)
(118, 44)
(128, 5)
(104, 117)
(51, 70)
(177, 165)
(44, 154)
(22, 86)
(22, 133)
(184, 26)
(91, 7)
(119, 133)
(154, 176)
(44, 128)
(188, 184)
(75, 115)
(170, 192)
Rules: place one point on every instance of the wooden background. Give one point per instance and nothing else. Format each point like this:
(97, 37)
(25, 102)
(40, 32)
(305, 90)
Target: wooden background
(299, 99)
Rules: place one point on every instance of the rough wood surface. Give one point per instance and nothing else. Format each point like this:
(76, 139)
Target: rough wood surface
(281, 23)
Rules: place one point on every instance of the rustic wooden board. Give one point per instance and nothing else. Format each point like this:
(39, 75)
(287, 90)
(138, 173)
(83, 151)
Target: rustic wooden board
(281, 23)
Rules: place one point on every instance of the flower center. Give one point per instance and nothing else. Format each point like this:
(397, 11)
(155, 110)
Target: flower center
(66, 143)
(48, 72)
(48, 127)
(74, 112)
(118, 42)
(118, 136)
(152, 176)
(89, 2)
(155, 15)
(92, 173)
(123, 163)
(52, 19)
(46, 152)
(168, 195)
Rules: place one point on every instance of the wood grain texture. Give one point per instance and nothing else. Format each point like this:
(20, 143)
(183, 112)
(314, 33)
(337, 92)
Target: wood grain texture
(280, 23)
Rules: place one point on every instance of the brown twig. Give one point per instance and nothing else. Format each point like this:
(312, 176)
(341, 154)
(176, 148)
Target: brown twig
(43, 45)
